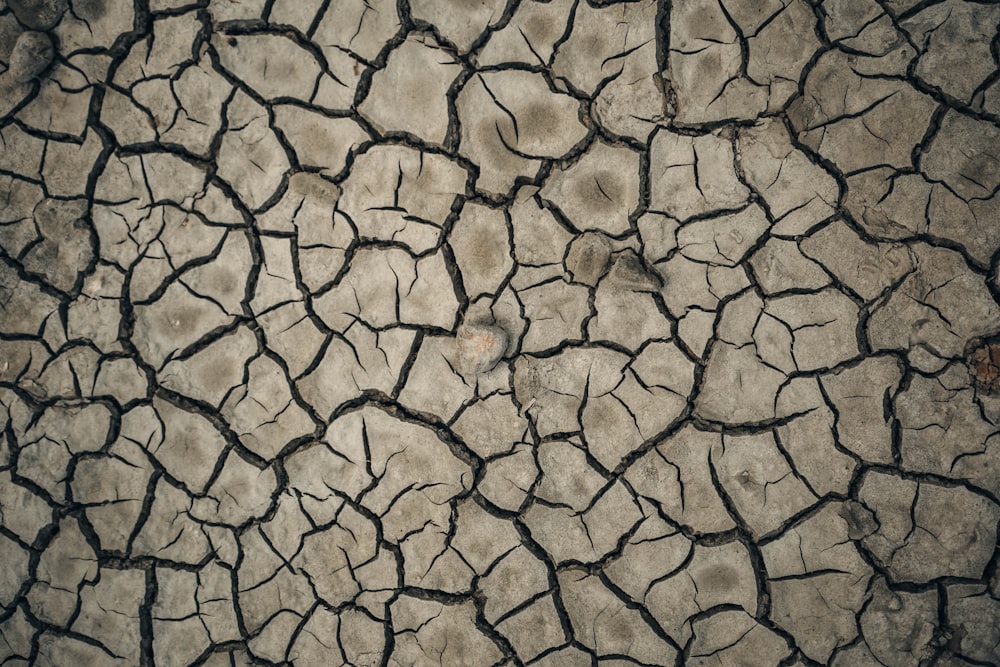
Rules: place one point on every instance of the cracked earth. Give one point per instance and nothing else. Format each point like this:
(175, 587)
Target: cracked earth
(499, 332)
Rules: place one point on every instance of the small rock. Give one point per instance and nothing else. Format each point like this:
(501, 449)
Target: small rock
(38, 14)
(33, 52)
(629, 273)
(984, 364)
(480, 347)
(588, 257)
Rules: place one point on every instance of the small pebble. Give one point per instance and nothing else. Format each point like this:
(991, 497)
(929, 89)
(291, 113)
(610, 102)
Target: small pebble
(33, 53)
(38, 14)
(480, 347)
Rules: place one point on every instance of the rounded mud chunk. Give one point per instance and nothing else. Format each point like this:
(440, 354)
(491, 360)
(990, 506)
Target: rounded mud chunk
(480, 347)
(33, 53)
(38, 14)
(588, 257)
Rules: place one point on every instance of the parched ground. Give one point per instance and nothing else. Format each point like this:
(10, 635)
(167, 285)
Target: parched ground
(499, 332)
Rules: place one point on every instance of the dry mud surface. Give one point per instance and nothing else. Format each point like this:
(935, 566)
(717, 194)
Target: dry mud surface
(499, 332)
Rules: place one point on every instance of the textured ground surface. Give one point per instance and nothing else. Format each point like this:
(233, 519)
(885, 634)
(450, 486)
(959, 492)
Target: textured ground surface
(486, 332)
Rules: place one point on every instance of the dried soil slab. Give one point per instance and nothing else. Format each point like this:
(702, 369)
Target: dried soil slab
(676, 475)
(705, 62)
(409, 95)
(606, 625)
(459, 23)
(511, 119)
(413, 205)
(799, 193)
(937, 308)
(926, 531)
(530, 37)
(854, 121)
(819, 582)
(692, 176)
(954, 40)
(598, 192)
(361, 27)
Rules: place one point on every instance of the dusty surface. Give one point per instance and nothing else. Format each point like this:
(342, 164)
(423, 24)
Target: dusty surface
(499, 332)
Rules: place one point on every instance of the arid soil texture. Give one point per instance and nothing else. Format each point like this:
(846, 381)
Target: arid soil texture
(472, 333)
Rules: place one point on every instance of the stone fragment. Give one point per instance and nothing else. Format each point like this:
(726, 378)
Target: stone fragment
(32, 54)
(984, 366)
(38, 14)
(588, 257)
(627, 312)
(480, 347)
